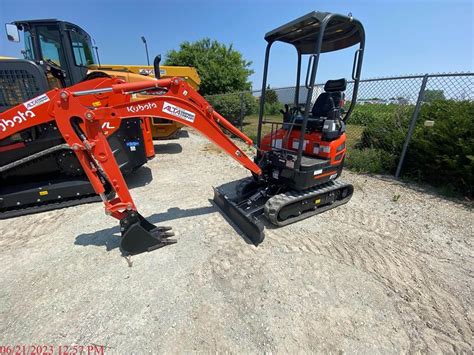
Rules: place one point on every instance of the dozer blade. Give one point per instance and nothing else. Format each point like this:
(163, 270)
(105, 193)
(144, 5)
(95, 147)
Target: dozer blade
(245, 219)
(139, 235)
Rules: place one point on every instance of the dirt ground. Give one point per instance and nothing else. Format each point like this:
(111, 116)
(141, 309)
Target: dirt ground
(390, 272)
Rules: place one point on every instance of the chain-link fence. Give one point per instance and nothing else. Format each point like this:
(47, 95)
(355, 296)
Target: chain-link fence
(418, 126)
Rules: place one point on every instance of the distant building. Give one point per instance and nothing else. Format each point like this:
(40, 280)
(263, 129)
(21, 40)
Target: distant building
(391, 101)
(287, 95)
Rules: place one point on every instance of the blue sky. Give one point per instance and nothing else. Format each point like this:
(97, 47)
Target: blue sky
(403, 37)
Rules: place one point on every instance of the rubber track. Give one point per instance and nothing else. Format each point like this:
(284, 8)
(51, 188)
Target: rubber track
(49, 206)
(40, 155)
(277, 202)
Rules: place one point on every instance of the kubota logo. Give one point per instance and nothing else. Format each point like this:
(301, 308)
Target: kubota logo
(178, 112)
(139, 108)
(19, 118)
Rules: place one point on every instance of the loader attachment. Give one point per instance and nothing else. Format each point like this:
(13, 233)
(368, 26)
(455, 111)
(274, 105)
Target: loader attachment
(243, 214)
(139, 235)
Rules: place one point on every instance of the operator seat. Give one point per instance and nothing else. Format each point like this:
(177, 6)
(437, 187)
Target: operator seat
(330, 99)
(327, 105)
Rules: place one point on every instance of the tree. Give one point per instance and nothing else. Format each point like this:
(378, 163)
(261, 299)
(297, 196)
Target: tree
(222, 68)
(434, 95)
(271, 96)
(234, 106)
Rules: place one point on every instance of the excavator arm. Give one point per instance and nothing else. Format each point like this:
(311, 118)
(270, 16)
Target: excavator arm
(173, 99)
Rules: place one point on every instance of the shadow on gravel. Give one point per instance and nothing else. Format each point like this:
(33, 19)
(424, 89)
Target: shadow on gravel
(183, 134)
(432, 191)
(177, 213)
(168, 148)
(140, 177)
(110, 237)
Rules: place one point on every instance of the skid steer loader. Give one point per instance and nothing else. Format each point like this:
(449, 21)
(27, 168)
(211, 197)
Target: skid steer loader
(289, 182)
(76, 58)
(38, 170)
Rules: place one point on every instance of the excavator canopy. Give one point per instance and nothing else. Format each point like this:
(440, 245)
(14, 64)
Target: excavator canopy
(339, 32)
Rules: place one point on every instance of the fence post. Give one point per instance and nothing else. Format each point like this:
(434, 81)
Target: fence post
(241, 119)
(411, 128)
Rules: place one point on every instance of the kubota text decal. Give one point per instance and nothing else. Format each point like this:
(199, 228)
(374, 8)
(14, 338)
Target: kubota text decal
(178, 112)
(139, 108)
(19, 118)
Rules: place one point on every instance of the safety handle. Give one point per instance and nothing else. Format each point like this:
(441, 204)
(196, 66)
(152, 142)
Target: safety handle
(311, 61)
(356, 61)
(310, 65)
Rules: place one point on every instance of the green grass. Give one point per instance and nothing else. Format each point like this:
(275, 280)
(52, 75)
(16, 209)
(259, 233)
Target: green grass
(353, 134)
(250, 125)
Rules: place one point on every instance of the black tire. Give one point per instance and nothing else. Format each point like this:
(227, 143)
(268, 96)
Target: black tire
(96, 75)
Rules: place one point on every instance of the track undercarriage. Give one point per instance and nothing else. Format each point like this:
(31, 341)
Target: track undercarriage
(279, 205)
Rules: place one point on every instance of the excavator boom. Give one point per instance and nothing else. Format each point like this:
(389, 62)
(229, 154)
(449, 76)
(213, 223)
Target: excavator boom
(80, 123)
(180, 103)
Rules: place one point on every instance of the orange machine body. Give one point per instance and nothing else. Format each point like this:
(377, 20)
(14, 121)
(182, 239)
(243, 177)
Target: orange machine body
(334, 151)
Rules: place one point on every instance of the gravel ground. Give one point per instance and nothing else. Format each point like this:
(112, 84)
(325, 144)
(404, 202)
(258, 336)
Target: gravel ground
(389, 272)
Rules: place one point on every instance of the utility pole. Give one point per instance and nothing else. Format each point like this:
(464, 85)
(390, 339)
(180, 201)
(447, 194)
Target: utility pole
(146, 49)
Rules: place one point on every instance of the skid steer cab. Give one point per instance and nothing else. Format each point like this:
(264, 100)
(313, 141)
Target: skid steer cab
(69, 55)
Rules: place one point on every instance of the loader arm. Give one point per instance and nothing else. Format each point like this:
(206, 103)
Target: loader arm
(176, 100)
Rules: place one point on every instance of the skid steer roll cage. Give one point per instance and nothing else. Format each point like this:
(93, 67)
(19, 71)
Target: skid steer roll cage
(313, 34)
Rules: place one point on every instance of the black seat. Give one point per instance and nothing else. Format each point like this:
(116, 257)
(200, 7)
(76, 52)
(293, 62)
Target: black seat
(323, 107)
(330, 99)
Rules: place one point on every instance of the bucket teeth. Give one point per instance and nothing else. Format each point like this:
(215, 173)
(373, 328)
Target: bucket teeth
(169, 241)
(159, 234)
(168, 234)
(162, 228)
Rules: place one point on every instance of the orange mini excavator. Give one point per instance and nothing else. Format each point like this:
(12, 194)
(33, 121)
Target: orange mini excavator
(293, 174)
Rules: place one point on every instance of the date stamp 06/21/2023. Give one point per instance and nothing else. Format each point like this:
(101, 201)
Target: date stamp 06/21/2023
(48, 349)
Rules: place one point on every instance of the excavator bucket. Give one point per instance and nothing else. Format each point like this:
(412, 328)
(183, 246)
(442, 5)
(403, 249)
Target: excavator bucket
(139, 235)
(243, 215)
